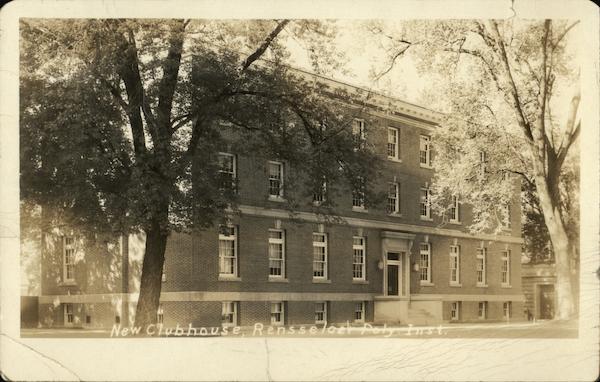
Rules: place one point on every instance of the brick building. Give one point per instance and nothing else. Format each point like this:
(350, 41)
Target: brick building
(396, 264)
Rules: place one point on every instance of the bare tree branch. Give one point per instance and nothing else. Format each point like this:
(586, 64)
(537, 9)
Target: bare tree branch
(263, 47)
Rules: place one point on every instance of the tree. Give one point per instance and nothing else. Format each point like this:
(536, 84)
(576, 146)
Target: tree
(504, 81)
(122, 121)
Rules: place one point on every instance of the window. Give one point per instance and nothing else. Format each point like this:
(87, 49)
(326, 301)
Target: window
(358, 258)
(276, 253)
(506, 216)
(160, 316)
(392, 145)
(358, 194)
(227, 170)
(425, 203)
(320, 255)
(164, 276)
(359, 312)
(277, 313)
(425, 151)
(228, 261)
(454, 264)
(69, 316)
(275, 179)
(455, 210)
(481, 266)
(454, 310)
(117, 319)
(425, 262)
(358, 131)
(507, 308)
(88, 319)
(482, 312)
(320, 313)
(482, 163)
(320, 195)
(68, 258)
(228, 314)
(505, 269)
(394, 198)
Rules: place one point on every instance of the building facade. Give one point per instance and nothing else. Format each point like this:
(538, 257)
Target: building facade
(396, 264)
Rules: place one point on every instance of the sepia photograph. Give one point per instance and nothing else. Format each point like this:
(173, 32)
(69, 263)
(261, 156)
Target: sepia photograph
(304, 179)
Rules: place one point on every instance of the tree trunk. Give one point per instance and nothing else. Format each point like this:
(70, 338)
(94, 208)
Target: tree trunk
(561, 247)
(151, 277)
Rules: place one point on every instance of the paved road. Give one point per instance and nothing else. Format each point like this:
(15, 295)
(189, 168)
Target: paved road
(540, 329)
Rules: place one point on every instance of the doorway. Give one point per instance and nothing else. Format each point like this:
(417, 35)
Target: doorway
(546, 299)
(393, 273)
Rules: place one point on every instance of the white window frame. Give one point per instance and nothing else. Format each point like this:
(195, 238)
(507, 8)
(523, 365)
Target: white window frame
(455, 210)
(321, 310)
(393, 200)
(234, 259)
(425, 147)
(482, 163)
(320, 244)
(229, 309)
(358, 195)
(505, 268)
(359, 307)
(507, 309)
(281, 243)
(425, 203)
(455, 264)
(455, 311)
(359, 247)
(277, 308)
(505, 218)
(393, 143)
(69, 314)
(233, 172)
(160, 314)
(425, 263)
(482, 310)
(281, 166)
(481, 262)
(68, 259)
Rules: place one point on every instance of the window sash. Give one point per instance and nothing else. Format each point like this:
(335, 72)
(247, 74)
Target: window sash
(507, 308)
(359, 311)
(319, 196)
(425, 208)
(227, 169)
(69, 315)
(160, 314)
(277, 313)
(358, 131)
(228, 251)
(425, 262)
(68, 258)
(276, 253)
(319, 255)
(392, 143)
(454, 311)
(358, 258)
(358, 194)
(454, 264)
(481, 265)
(228, 313)
(505, 268)
(455, 210)
(425, 150)
(482, 309)
(320, 312)
(393, 198)
(276, 179)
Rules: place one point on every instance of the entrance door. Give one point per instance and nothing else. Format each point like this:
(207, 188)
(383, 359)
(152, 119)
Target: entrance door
(546, 302)
(393, 274)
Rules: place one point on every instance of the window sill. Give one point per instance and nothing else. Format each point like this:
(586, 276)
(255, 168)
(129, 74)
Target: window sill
(229, 278)
(393, 159)
(359, 209)
(427, 166)
(279, 199)
(321, 281)
(426, 219)
(68, 283)
(360, 282)
(278, 280)
(455, 285)
(395, 215)
(426, 283)
(505, 286)
(481, 285)
(457, 222)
